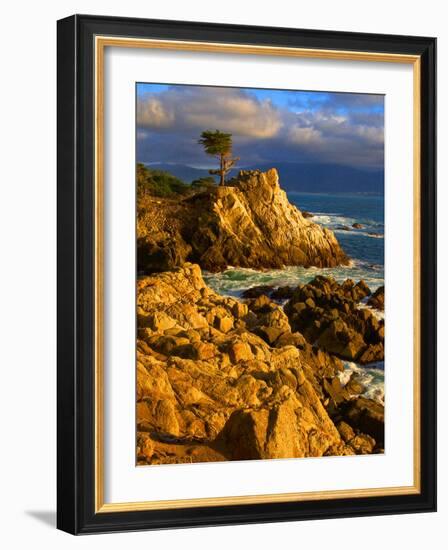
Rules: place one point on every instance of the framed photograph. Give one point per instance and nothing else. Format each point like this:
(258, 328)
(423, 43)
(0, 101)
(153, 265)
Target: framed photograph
(246, 274)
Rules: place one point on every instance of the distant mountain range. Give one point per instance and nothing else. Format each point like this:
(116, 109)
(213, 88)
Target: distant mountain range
(310, 178)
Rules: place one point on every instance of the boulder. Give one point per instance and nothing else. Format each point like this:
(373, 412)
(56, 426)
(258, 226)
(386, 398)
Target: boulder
(372, 353)
(334, 389)
(158, 321)
(240, 351)
(256, 291)
(354, 386)
(269, 334)
(261, 304)
(161, 415)
(167, 344)
(290, 339)
(329, 316)
(346, 431)
(377, 299)
(223, 324)
(362, 444)
(367, 416)
(145, 446)
(282, 293)
(161, 251)
(239, 310)
(360, 291)
(284, 430)
(252, 389)
(339, 339)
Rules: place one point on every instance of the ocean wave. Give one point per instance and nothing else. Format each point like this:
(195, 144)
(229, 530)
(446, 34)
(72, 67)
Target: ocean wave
(337, 222)
(371, 377)
(377, 312)
(233, 281)
(358, 233)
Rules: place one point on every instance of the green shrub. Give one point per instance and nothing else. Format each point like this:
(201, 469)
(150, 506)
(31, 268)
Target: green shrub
(158, 182)
(203, 183)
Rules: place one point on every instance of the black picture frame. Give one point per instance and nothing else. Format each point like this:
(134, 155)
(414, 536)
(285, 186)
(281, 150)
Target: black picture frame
(76, 264)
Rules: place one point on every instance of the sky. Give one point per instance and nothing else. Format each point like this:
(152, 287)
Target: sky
(267, 126)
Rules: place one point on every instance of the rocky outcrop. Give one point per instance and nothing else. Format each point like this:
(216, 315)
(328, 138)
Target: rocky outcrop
(367, 416)
(328, 315)
(219, 379)
(249, 222)
(377, 299)
(296, 427)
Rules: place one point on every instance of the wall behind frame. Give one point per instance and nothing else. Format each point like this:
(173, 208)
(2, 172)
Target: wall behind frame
(27, 277)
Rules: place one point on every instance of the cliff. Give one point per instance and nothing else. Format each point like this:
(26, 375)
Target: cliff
(247, 223)
(219, 379)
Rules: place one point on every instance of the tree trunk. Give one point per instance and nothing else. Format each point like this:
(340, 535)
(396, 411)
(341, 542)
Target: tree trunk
(222, 171)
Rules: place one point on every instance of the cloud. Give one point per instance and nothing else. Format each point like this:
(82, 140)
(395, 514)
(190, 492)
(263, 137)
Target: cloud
(304, 127)
(141, 134)
(327, 136)
(154, 113)
(229, 109)
(301, 135)
(370, 134)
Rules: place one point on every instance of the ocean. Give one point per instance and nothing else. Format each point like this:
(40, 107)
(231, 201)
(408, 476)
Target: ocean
(365, 247)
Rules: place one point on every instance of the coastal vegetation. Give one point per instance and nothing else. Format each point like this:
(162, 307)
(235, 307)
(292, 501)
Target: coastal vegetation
(219, 145)
(158, 183)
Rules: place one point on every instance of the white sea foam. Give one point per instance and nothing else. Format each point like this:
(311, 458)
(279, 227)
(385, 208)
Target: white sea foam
(359, 233)
(377, 312)
(371, 377)
(324, 219)
(335, 221)
(233, 281)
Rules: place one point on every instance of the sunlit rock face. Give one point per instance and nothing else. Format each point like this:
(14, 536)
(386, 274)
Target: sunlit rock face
(219, 379)
(249, 222)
